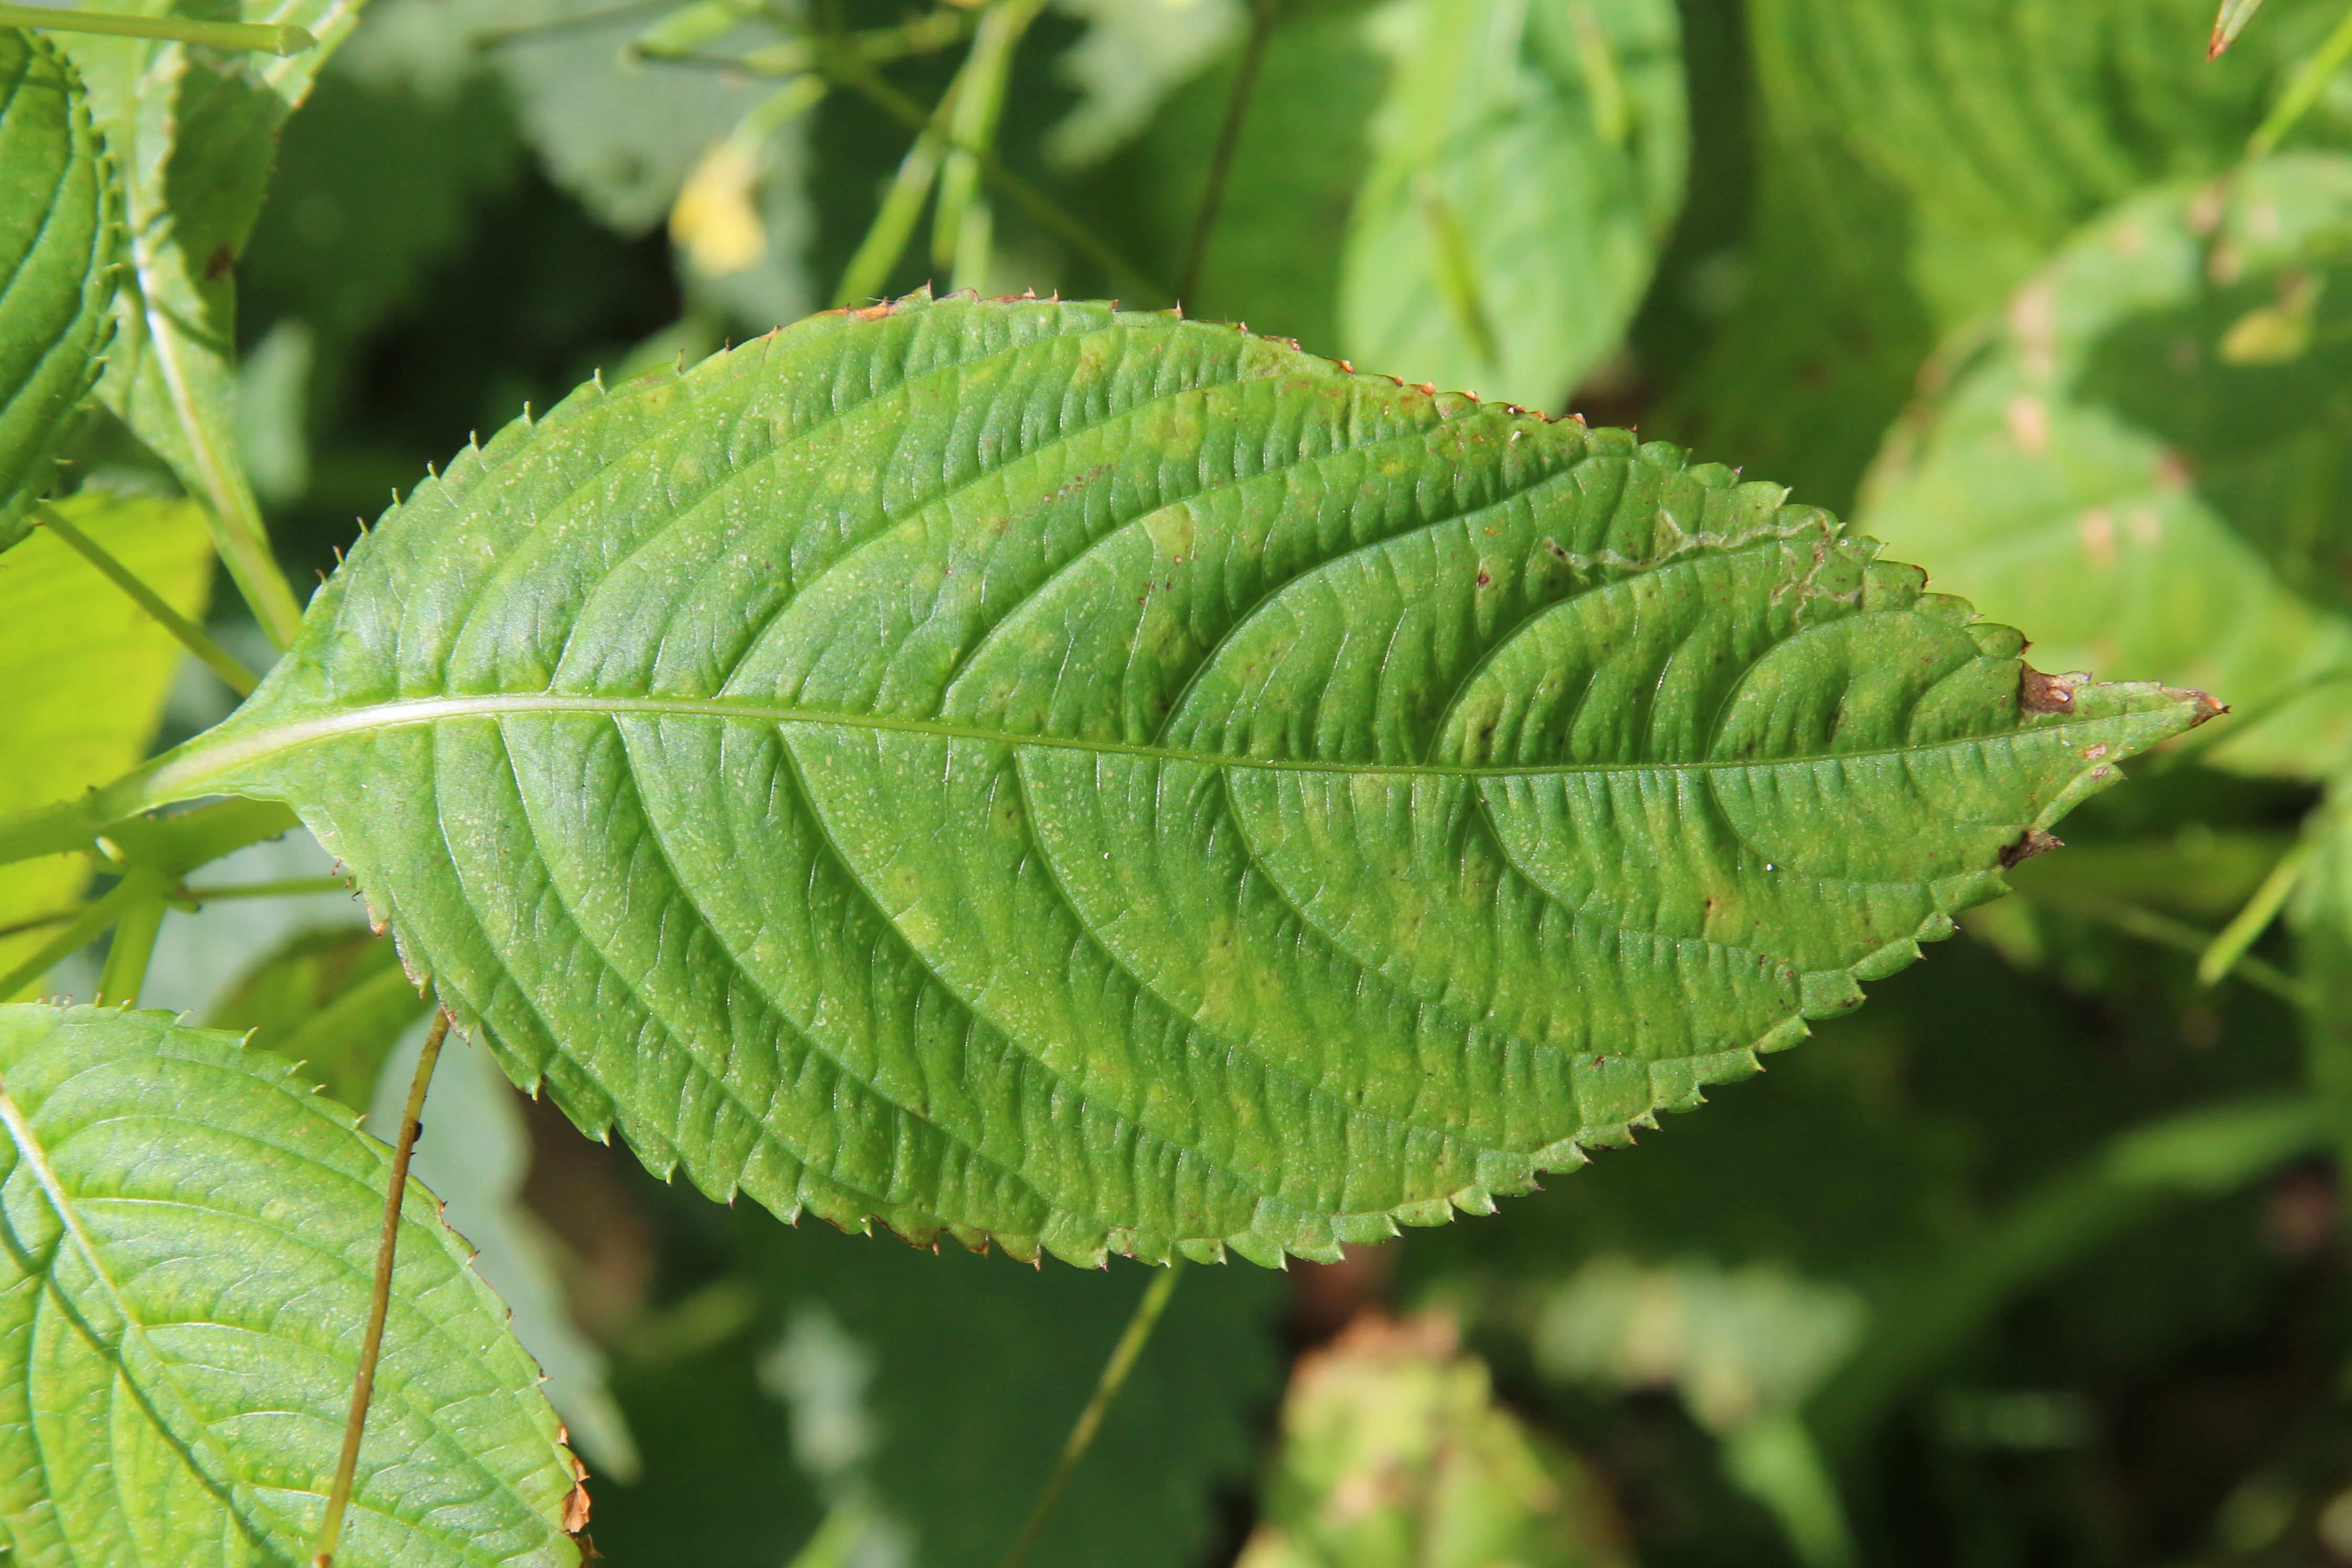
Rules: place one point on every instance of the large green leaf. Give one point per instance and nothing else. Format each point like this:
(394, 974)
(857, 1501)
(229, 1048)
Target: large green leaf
(2144, 459)
(1527, 161)
(194, 132)
(83, 672)
(188, 1237)
(57, 233)
(1098, 781)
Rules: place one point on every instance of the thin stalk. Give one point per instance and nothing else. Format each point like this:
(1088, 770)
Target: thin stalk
(2228, 949)
(1082, 1436)
(266, 38)
(2304, 90)
(283, 887)
(1229, 139)
(924, 35)
(857, 76)
(869, 270)
(492, 37)
(133, 945)
(95, 918)
(961, 227)
(2183, 937)
(215, 657)
(339, 1496)
(40, 921)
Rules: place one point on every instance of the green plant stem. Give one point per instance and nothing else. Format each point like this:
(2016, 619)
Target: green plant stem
(339, 1496)
(2228, 949)
(291, 886)
(858, 77)
(868, 272)
(266, 38)
(2183, 937)
(2304, 90)
(133, 945)
(94, 919)
(214, 657)
(1229, 140)
(960, 232)
(492, 37)
(1082, 1436)
(924, 35)
(40, 921)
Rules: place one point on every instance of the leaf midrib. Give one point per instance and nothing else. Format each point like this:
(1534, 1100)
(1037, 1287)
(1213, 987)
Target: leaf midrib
(187, 772)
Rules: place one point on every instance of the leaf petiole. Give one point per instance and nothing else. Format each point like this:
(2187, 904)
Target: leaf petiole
(1123, 1356)
(851, 71)
(284, 887)
(2228, 949)
(134, 943)
(339, 1496)
(213, 656)
(94, 919)
(1229, 138)
(263, 37)
(2304, 90)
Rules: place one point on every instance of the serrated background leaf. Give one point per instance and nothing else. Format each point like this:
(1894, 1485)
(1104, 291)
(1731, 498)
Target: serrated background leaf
(187, 1237)
(738, 747)
(85, 672)
(2144, 457)
(59, 229)
(1528, 161)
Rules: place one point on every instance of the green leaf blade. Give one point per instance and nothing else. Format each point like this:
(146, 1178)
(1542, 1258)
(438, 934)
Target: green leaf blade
(58, 230)
(1096, 781)
(190, 1237)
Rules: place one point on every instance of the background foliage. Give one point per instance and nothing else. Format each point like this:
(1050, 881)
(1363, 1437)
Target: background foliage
(2039, 1258)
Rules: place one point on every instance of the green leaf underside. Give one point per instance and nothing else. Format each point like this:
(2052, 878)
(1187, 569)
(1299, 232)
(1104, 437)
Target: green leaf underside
(2142, 460)
(187, 1236)
(57, 235)
(1093, 780)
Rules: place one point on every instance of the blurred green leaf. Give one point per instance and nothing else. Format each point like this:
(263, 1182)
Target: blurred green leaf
(2005, 123)
(2141, 463)
(2205, 1151)
(1273, 254)
(1743, 1347)
(83, 675)
(1528, 161)
(1131, 56)
(931, 1394)
(1395, 1455)
(194, 132)
(59, 225)
(190, 1236)
(335, 1000)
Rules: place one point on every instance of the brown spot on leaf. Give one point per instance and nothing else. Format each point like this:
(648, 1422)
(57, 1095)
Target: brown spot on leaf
(2038, 693)
(217, 265)
(575, 1504)
(2032, 841)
